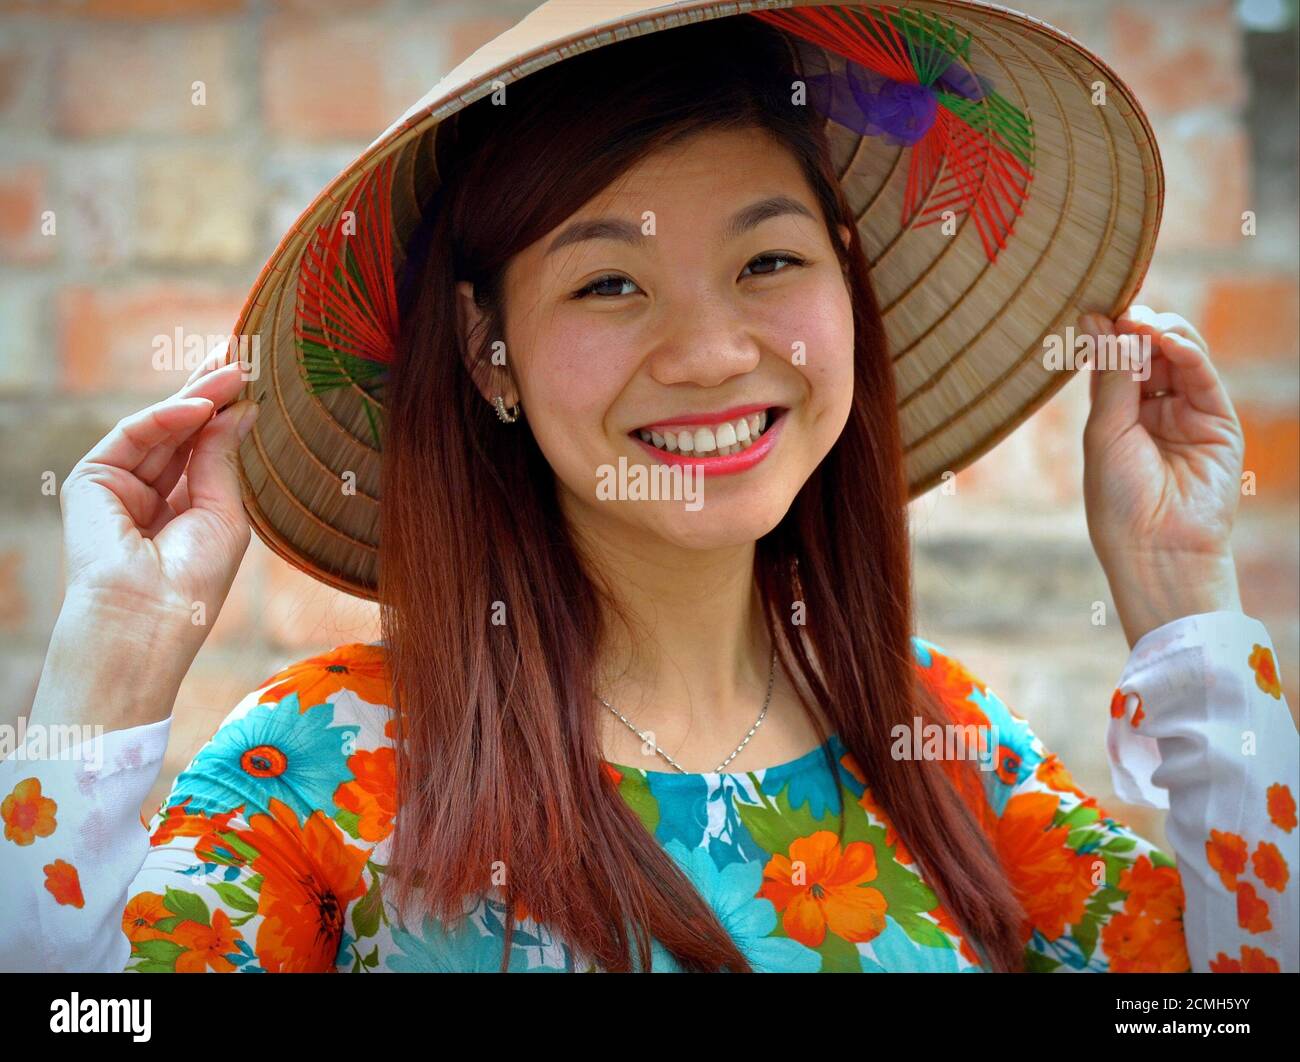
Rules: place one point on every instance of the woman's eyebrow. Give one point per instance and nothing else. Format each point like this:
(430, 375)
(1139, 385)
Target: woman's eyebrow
(627, 232)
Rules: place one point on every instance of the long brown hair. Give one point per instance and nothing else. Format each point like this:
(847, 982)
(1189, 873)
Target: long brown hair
(499, 762)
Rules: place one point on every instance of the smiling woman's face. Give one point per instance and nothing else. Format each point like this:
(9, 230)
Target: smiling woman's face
(705, 320)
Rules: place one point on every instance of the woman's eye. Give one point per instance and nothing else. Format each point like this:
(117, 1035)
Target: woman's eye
(773, 258)
(600, 286)
(610, 286)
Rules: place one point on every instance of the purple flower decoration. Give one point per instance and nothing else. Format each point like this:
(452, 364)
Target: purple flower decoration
(869, 103)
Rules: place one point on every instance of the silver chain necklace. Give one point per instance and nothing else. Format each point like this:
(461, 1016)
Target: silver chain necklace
(771, 678)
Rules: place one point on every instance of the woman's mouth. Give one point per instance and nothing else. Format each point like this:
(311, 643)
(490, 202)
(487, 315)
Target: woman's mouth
(730, 441)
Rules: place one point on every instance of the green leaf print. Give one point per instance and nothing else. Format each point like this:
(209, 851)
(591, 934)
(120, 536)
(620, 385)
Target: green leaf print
(366, 911)
(1084, 933)
(188, 905)
(1080, 815)
(231, 840)
(350, 822)
(162, 951)
(1036, 962)
(235, 897)
(1159, 859)
(636, 791)
(775, 825)
(839, 955)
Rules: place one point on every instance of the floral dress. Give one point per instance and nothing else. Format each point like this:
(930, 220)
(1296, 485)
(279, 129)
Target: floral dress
(270, 852)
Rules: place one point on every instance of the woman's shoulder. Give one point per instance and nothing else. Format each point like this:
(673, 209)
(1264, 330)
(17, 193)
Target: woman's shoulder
(306, 736)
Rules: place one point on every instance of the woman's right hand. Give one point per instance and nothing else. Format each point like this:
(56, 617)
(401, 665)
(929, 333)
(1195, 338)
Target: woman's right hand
(153, 525)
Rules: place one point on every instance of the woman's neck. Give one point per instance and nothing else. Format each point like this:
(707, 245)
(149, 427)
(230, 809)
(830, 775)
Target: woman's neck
(693, 668)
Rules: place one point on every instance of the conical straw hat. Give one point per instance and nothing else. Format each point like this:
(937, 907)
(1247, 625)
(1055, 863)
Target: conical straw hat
(1052, 174)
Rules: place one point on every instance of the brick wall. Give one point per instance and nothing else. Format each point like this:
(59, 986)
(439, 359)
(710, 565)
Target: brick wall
(165, 211)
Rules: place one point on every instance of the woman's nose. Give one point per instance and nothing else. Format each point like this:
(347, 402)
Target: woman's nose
(705, 343)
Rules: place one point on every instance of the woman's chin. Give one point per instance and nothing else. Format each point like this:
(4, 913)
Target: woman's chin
(709, 528)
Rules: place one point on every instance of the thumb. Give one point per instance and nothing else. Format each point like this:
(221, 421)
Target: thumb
(212, 477)
(1114, 391)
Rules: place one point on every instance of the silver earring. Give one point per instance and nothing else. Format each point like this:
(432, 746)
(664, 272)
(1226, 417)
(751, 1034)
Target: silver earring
(506, 418)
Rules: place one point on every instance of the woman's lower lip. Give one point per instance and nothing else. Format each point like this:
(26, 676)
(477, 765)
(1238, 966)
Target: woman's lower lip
(727, 464)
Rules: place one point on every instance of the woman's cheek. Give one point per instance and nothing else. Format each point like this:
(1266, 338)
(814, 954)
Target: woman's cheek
(572, 384)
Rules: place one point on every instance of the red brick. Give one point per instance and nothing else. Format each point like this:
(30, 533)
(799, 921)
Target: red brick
(23, 199)
(1272, 452)
(106, 335)
(195, 206)
(1177, 55)
(1252, 317)
(96, 97)
(14, 69)
(124, 9)
(326, 80)
(1207, 185)
(468, 35)
(13, 598)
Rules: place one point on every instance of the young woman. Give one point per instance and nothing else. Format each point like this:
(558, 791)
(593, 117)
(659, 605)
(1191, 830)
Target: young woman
(627, 733)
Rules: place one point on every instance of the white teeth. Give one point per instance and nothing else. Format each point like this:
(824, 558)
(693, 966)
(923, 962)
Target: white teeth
(729, 437)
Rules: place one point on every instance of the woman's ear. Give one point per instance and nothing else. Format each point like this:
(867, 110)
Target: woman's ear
(844, 236)
(470, 320)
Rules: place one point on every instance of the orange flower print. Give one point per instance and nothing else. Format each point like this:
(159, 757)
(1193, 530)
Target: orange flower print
(1057, 777)
(819, 886)
(1008, 769)
(358, 667)
(1252, 912)
(207, 945)
(372, 794)
(952, 682)
(1118, 702)
(1142, 944)
(27, 815)
(1281, 807)
(310, 875)
(1226, 853)
(1152, 890)
(63, 883)
(142, 911)
(180, 822)
(1261, 662)
(1252, 961)
(1052, 881)
(1270, 866)
(611, 772)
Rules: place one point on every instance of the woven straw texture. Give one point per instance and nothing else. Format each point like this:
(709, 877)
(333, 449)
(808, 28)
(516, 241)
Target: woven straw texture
(966, 333)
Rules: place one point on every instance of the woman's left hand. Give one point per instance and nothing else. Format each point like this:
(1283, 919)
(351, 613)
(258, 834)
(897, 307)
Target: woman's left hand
(1162, 476)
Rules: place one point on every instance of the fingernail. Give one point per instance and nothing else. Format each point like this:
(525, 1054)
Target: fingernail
(246, 419)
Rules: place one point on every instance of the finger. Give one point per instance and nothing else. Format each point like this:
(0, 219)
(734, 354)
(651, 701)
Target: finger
(1193, 376)
(220, 387)
(133, 437)
(216, 358)
(174, 469)
(1140, 318)
(211, 477)
(1114, 390)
